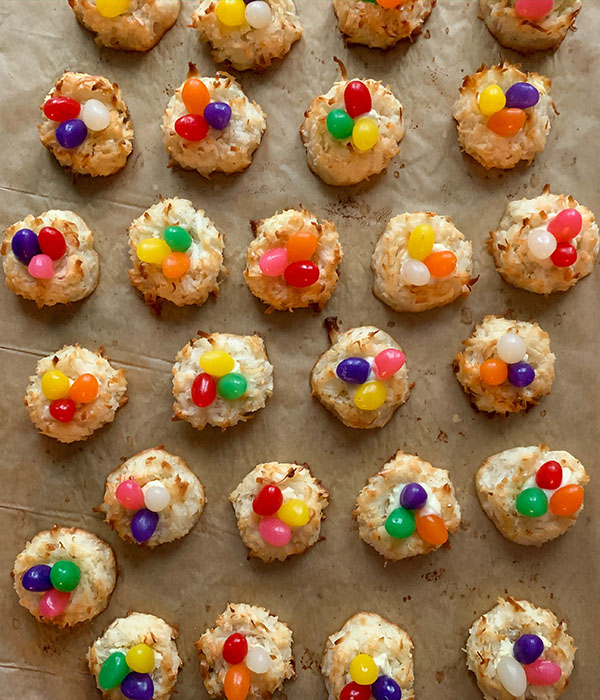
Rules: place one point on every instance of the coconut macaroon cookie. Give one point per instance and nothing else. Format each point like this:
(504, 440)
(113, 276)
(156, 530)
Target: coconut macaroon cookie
(421, 261)
(532, 494)
(279, 509)
(506, 366)
(73, 393)
(407, 508)
(381, 23)
(86, 125)
(131, 25)
(50, 258)
(136, 657)
(221, 379)
(369, 656)
(293, 261)
(211, 126)
(247, 34)
(249, 648)
(517, 650)
(176, 252)
(65, 575)
(152, 498)
(362, 379)
(529, 25)
(546, 244)
(504, 115)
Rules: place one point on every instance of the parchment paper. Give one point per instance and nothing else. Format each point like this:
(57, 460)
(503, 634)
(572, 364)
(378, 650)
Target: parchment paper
(436, 597)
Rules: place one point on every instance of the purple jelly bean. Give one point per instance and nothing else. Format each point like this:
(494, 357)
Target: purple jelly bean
(37, 578)
(522, 95)
(24, 245)
(143, 524)
(137, 686)
(413, 496)
(354, 370)
(386, 688)
(217, 114)
(71, 133)
(528, 648)
(521, 374)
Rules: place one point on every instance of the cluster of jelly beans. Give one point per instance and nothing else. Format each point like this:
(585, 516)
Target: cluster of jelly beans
(366, 682)
(341, 124)
(75, 119)
(235, 13)
(277, 516)
(423, 263)
(57, 582)
(131, 671)
(169, 252)
(556, 240)
(509, 364)
(506, 112)
(64, 396)
(402, 522)
(202, 113)
(526, 667)
(242, 660)
(293, 261)
(112, 8)
(230, 385)
(148, 502)
(534, 9)
(548, 493)
(356, 370)
(39, 251)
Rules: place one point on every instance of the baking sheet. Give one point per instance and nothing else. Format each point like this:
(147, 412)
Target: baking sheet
(435, 598)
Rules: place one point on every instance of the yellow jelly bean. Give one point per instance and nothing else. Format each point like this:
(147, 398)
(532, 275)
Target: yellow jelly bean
(492, 100)
(140, 658)
(112, 8)
(420, 241)
(232, 13)
(55, 385)
(294, 513)
(363, 669)
(217, 363)
(365, 134)
(153, 250)
(370, 396)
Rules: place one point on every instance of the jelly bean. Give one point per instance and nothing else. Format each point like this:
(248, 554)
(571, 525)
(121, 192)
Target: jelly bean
(84, 389)
(192, 127)
(218, 115)
(357, 98)
(301, 273)
(204, 390)
(258, 660)
(365, 134)
(549, 475)
(388, 362)
(420, 241)
(130, 494)
(138, 686)
(528, 648)
(37, 578)
(41, 267)
(237, 679)
(156, 499)
(143, 524)
(113, 671)
(60, 109)
(521, 374)
(507, 122)
(354, 691)
(195, 96)
(294, 512)
(52, 242)
(533, 9)
(400, 524)
(25, 245)
(140, 658)
(152, 251)
(55, 384)
(62, 410)
(511, 348)
(301, 246)
(441, 263)
(354, 370)
(512, 676)
(273, 262)
(566, 225)
(541, 244)
(232, 13)
(493, 371)
(432, 529)
(491, 100)
(386, 688)
(232, 386)
(565, 255)
(65, 575)
(543, 672)
(370, 396)
(235, 648)
(175, 266)
(567, 500)
(112, 8)
(258, 14)
(363, 669)
(522, 96)
(95, 115)
(340, 124)
(177, 238)
(53, 603)
(413, 496)
(268, 500)
(532, 503)
(71, 133)
(390, 4)
(274, 532)
(217, 363)
(415, 272)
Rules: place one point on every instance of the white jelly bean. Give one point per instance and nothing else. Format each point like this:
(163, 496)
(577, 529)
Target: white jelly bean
(258, 14)
(541, 244)
(95, 115)
(258, 660)
(511, 348)
(415, 272)
(512, 676)
(156, 496)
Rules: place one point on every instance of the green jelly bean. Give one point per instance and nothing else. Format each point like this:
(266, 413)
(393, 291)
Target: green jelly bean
(232, 386)
(532, 503)
(65, 575)
(340, 124)
(113, 671)
(177, 238)
(400, 523)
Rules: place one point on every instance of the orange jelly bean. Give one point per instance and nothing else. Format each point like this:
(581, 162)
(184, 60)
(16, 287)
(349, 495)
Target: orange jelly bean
(84, 389)
(390, 4)
(567, 500)
(195, 96)
(237, 682)
(301, 246)
(441, 263)
(493, 372)
(507, 122)
(432, 529)
(175, 265)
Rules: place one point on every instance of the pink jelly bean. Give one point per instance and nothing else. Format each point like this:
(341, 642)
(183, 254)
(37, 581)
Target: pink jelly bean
(273, 262)
(534, 9)
(274, 531)
(130, 495)
(388, 362)
(53, 602)
(543, 672)
(41, 267)
(565, 225)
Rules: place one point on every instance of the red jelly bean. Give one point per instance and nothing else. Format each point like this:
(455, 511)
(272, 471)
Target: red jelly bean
(52, 242)
(565, 225)
(191, 127)
(357, 98)
(567, 500)
(59, 109)
(533, 9)
(62, 410)
(543, 672)
(235, 648)
(354, 691)
(507, 122)
(204, 390)
(549, 475)
(268, 500)
(565, 255)
(53, 603)
(301, 273)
